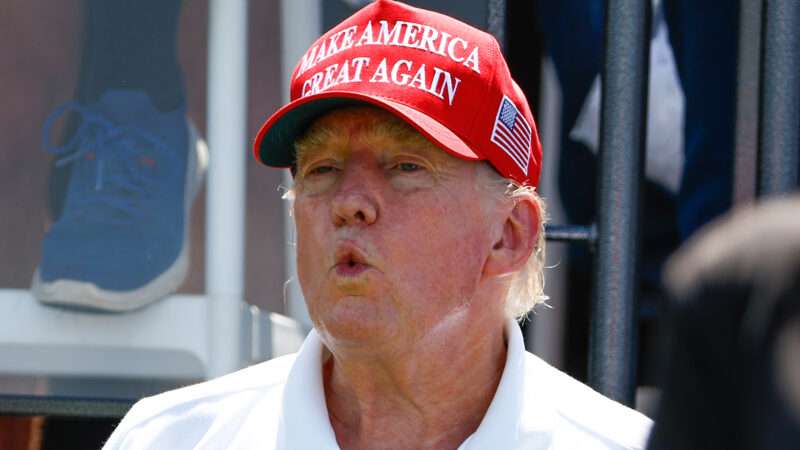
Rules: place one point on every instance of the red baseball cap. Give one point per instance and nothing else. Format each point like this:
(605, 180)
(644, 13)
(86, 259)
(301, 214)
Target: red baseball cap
(445, 78)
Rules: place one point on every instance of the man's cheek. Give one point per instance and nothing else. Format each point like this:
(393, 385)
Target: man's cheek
(311, 232)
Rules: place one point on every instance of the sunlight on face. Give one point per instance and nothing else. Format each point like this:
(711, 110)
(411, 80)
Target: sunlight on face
(391, 238)
(408, 159)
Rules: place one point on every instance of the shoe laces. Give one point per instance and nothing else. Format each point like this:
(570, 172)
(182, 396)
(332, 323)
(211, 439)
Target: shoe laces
(122, 167)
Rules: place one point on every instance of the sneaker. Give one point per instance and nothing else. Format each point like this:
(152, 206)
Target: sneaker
(122, 240)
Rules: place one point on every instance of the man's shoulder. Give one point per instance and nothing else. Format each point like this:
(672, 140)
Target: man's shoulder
(581, 415)
(181, 413)
(256, 378)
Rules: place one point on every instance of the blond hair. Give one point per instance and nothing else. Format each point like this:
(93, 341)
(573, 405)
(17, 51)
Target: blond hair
(527, 286)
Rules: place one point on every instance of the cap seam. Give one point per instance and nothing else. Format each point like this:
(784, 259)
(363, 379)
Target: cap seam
(489, 85)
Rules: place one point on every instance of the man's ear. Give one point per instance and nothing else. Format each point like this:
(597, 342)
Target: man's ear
(517, 241)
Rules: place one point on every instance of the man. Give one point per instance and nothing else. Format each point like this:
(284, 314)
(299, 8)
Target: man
(419, 240)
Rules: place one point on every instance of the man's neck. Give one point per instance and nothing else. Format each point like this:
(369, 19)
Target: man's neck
(434, 396)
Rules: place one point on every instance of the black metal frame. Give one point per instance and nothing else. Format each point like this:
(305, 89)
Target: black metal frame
(616, 237)
(613, 337)
(779, 131)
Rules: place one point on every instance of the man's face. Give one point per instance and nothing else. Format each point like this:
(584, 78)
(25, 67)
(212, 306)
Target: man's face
(392, 233)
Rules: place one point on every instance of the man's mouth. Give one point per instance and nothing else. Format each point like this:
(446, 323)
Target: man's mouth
(350, 261)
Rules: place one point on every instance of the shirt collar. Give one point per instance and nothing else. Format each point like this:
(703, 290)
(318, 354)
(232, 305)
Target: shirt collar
(304, 420)
(304, 417)
(498, 429)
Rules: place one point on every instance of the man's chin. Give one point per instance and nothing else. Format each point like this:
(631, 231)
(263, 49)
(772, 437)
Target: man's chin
(356, 326)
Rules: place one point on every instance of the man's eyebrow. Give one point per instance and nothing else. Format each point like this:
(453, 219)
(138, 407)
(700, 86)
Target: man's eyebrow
(307, 153)
(424, 150)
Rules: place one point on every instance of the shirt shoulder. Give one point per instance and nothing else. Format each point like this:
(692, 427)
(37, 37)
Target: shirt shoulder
(580, 416)
(209, 412)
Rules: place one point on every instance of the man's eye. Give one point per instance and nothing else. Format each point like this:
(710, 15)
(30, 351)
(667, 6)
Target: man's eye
(321, 170)
(408, 167)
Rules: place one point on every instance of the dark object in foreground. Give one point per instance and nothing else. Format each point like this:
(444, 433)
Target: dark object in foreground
(732, 379)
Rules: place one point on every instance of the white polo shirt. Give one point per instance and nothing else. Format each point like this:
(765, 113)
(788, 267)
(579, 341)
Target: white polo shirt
(280, 404)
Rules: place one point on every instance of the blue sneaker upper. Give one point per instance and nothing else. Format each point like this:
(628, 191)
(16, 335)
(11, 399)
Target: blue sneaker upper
(123, 219)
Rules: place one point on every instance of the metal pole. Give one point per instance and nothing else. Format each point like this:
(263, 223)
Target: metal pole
(780, 98)
(227, 89)
(747, 93)
(301, 24)
(571, 233)
(496, 21)
(612, 359)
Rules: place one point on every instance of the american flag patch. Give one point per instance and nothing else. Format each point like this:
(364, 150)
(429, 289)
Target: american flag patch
(512, 134)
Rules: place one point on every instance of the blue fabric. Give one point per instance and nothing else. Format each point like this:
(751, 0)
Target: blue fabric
(123, 218)
(703, 37)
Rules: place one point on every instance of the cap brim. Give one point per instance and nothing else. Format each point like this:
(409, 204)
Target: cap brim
(274, 144)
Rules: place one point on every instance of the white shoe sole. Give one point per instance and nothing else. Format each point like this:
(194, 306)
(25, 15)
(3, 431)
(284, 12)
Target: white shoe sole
(87, 295)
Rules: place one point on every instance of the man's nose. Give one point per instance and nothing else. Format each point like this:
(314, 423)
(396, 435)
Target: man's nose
(355, 203)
